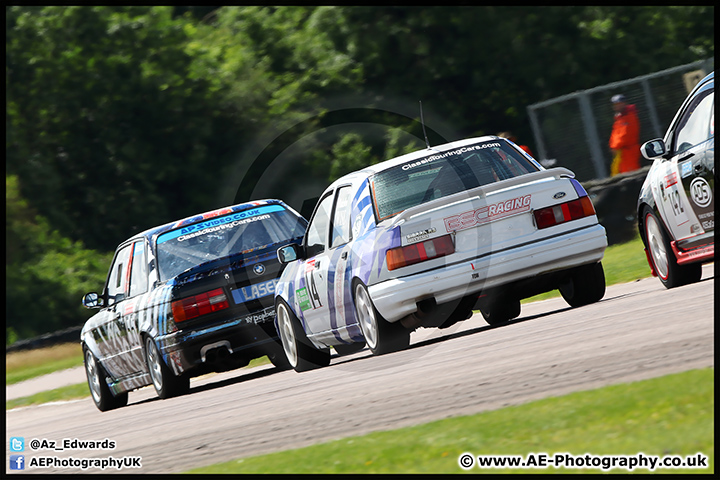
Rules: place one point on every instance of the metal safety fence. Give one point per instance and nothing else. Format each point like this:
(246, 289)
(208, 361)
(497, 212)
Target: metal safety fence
(573, 130)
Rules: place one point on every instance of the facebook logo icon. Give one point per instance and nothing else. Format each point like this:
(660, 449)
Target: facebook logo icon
(17, 462)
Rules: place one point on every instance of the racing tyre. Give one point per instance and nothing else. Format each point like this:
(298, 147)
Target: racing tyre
(301, 354)
(279, 360)
(500, 310)
(380, 335)
(101, 394)
(585, 285)
(349, 348)
(166, 383)
(670, 273)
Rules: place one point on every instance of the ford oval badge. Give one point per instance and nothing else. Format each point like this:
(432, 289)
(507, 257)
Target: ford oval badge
(559, 195)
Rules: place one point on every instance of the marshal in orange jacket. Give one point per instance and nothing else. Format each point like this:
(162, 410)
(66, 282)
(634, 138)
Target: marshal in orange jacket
(625, 138)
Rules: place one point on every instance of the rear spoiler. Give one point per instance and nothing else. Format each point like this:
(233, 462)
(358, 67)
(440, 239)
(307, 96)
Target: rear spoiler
(481, 192)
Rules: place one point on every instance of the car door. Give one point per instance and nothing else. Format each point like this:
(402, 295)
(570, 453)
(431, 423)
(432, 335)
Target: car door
(698, 165)
(337, 273)
(313, 271)
(686, 184)
(107, 334)
(127, 313)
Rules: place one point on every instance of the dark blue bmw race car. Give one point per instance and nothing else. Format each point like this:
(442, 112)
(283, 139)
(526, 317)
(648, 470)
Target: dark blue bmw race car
(187, 298)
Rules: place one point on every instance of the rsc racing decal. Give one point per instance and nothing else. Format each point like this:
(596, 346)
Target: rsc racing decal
(488, 213)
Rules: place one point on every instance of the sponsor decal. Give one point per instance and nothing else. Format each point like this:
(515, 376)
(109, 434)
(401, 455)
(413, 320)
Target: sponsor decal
(251, 292)
(670, 179)
(303, 299)
(487, 213)
(700, 192)
(421, 235)
(701, 252)
(216, 213)
(129, 307)
(221, 223)
(260, 317)
(685, 168)
(459, 151)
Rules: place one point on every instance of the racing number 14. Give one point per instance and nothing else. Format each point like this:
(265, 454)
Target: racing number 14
(314, 295)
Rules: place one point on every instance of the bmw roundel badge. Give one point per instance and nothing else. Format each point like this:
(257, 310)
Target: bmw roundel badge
(259, 269)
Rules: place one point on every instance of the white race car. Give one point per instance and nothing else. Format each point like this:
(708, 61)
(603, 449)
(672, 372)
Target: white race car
(676, 210)
(425, 238)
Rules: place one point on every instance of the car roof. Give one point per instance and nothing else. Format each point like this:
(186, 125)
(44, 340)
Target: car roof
(408, 157)
(155, 231)
(707, 79)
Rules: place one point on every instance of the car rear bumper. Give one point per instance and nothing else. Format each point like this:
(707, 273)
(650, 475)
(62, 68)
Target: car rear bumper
(193, 347)
(398, 297)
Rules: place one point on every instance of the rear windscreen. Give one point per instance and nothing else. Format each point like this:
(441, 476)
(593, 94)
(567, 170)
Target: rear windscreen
(441, 174)
(238, 232)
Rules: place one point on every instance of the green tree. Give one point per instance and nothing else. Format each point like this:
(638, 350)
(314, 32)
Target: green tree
(46, 274)
(106, 127)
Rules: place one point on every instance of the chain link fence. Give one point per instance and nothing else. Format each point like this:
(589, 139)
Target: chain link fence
(573, 130)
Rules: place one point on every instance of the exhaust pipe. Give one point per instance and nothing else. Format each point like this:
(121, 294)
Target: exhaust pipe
(215, 351)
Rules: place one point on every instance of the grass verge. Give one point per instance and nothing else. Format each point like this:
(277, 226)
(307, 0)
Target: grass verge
(81, 390)
(671, 415)
(71, 392)
(27, 364)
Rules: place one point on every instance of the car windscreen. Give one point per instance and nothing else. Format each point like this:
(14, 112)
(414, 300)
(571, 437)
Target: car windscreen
(238, 232)
(441, 174)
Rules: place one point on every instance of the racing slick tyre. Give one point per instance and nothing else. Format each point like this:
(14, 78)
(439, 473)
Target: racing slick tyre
(301, 354)
(101, 394)
(349, 348)
(670, 273)
(278, 359)
(584, 285)
(499, 310)
(166, 383)
(380, 335)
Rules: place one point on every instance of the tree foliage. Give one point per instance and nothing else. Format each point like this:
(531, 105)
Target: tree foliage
(46, 274)
(120, 118)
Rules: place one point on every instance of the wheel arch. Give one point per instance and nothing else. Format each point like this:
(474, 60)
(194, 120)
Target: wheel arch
(652, 206)
(88, 343)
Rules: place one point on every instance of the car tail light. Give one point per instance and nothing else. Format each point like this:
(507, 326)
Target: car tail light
(574, 210)
(200, 304)
(419, 252)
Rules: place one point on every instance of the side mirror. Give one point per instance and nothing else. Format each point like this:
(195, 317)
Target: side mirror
(92, 300)
(653, 149)
(288, 253)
